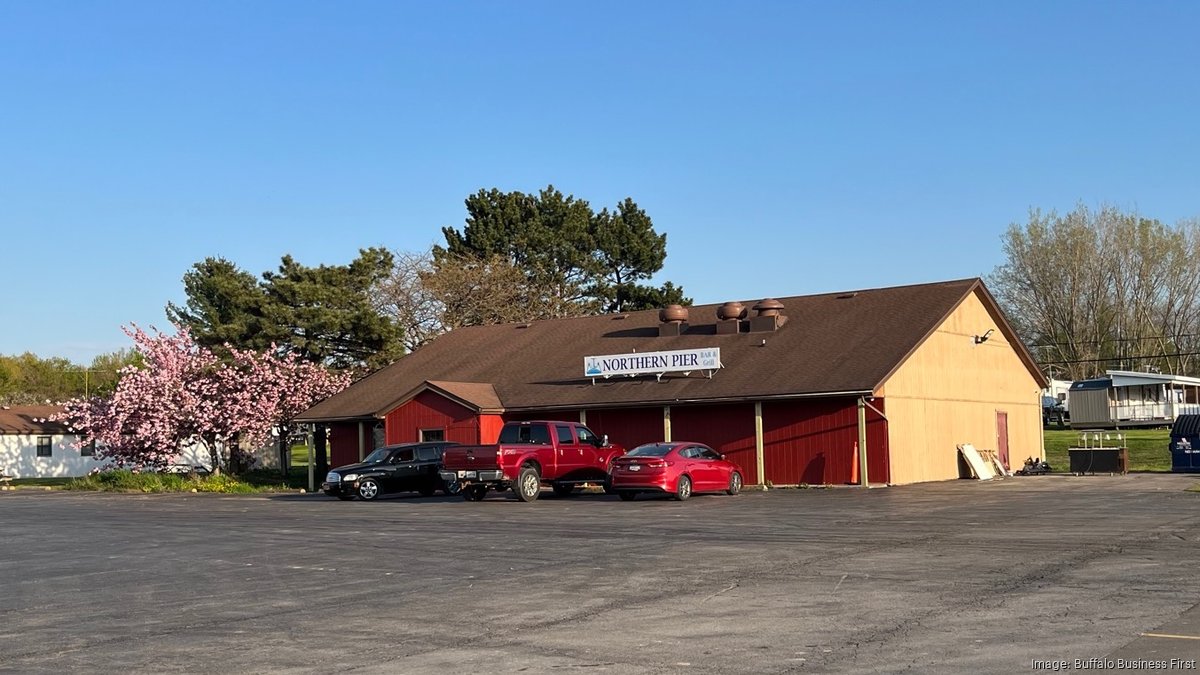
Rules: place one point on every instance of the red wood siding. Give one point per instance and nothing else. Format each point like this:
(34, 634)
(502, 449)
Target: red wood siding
(343, 443)
(728, 429)
(813, 442)
(628, 427)
(432, 411)
(489, 429)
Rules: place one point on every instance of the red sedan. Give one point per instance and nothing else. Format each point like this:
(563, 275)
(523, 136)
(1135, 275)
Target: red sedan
(679, 469)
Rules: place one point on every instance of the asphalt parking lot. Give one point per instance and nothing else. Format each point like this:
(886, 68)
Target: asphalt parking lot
(944, 577)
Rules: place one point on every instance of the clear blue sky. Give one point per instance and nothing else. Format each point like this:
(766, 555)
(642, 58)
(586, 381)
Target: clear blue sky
(784, 147)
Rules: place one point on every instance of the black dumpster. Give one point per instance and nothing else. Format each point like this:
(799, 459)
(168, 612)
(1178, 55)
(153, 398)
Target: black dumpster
(1185, 444)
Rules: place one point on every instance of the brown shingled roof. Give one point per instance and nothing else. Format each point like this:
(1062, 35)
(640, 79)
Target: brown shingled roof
(832, 343)
(30, 419)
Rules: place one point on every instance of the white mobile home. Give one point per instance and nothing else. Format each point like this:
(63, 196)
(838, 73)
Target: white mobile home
(1123, 399)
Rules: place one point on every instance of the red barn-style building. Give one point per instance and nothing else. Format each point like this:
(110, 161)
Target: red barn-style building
(797, 384)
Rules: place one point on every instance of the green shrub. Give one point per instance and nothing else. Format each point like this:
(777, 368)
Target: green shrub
(150, 482)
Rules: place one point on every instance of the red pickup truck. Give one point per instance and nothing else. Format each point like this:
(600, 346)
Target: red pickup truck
(563, 455)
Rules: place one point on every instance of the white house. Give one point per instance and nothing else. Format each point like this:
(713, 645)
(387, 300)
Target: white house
(31, 446)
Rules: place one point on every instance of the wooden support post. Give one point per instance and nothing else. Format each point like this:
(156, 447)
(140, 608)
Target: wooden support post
(362, 442)
(667, 423)
(312, 461)
(758, 442)
(862, 443)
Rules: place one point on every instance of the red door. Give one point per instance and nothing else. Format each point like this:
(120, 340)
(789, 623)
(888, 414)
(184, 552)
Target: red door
(570, 453)
(1002, 438)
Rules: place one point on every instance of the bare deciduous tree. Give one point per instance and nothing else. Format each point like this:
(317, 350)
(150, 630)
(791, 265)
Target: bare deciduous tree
(404, 297)
(1093, 290)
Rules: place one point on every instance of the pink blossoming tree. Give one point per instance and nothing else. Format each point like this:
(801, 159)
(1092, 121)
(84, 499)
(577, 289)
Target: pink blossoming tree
(183, 394)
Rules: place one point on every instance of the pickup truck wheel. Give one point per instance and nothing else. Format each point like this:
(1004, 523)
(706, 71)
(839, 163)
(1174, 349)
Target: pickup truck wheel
(627, 496)
(452, 488)
(368, 489)
(563, 489)
(475, 493)
(683, 489)
(735, 484)
(528, 485)
(608, 488)
(427, 490)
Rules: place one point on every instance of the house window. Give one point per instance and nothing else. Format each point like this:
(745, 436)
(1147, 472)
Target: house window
(88, 449)
(429, 435)
(43, 446)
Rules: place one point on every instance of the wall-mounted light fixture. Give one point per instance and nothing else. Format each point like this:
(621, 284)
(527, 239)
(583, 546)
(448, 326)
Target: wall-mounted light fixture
(980, 339)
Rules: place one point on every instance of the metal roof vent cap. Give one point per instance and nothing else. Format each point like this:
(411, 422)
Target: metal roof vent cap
(673, 314)
(768, 307)
(731, 310)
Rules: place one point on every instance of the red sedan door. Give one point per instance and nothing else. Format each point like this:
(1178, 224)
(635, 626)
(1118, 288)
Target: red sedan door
(714, 470)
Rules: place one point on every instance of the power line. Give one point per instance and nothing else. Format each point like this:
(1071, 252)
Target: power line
(1111, 340)
(1120, 358)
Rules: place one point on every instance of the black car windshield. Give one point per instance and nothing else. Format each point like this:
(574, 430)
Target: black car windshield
(650, 450)
(378, 456)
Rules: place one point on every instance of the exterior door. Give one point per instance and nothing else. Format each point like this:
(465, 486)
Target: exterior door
(1002, 438)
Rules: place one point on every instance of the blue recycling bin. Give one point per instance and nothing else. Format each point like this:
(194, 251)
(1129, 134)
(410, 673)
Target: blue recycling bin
(1185, 444)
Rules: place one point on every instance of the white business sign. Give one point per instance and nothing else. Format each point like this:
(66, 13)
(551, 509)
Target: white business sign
(652, 363)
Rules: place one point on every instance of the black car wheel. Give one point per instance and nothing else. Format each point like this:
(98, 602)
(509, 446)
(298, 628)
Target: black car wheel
(627, 496)
(475, 493)
(683, 489)
(345, 498)
(608, 488)
(427, 490)
(368, 489)
(452, 488)
(529, 484)
(735, 483)
(563, 489)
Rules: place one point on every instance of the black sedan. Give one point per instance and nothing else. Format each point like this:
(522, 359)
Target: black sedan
(408, 467)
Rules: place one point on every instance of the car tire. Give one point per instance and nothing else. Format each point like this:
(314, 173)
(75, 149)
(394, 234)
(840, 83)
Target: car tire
(627, 496)
(528, 484)
(563, 489)
(427, 490)
(735, 484)
(369, 489)
(608, 488)
(452, 488)
(475, 493)
(345, 498)
(683, 489)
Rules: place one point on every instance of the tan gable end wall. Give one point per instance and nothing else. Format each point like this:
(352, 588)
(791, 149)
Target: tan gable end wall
(948, 392)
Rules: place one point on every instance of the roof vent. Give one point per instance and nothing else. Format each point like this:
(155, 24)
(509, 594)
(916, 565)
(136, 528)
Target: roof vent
(524, 325)
(619, 317)
(770, 316)
(673, 320)
(844, 296)
(729, 318)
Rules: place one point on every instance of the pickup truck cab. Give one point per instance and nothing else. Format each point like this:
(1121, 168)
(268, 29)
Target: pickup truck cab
(563, 455)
